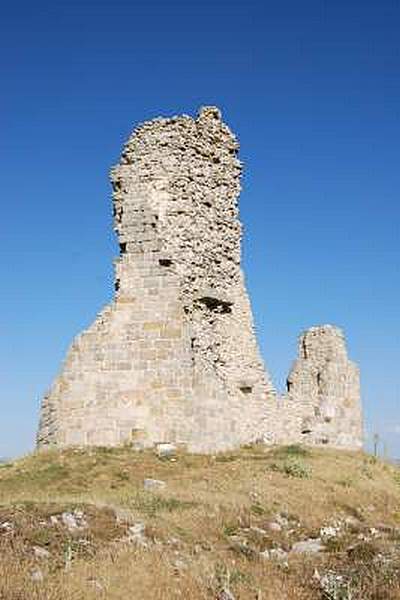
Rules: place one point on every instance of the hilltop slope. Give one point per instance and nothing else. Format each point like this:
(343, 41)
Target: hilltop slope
(266, 524)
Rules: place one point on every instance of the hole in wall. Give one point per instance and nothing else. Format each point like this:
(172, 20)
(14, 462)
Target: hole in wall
(122, 247)
(165, 262)
(246, 389)
(216, 304)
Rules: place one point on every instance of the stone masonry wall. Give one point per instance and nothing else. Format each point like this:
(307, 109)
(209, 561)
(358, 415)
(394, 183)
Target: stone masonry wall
(174, 357)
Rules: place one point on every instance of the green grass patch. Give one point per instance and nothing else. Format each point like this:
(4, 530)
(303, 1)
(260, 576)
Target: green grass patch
(151, 504)
(289, 451)
(293, 467)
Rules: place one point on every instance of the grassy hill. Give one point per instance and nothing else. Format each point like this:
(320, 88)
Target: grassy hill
(263, 524)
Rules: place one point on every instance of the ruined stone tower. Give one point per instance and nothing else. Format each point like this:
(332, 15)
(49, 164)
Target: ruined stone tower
(174, 357)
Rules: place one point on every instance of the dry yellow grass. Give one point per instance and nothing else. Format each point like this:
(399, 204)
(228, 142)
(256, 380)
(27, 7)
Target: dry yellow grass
(204, 531)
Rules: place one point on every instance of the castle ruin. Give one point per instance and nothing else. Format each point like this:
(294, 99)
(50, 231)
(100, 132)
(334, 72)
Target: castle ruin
(174, 357)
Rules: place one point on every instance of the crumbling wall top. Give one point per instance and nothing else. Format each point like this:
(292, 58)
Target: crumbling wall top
(322, 343)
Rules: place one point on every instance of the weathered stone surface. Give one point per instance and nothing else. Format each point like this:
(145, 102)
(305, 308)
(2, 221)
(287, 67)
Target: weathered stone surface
(322, 404)
(40, 552)
(165, 450)
(174, 358)
(311, 546)
(74, 520)
(225, 594)
(154, 484)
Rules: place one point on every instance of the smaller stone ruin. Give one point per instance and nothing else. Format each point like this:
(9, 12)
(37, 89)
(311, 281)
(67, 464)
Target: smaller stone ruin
(322, 403)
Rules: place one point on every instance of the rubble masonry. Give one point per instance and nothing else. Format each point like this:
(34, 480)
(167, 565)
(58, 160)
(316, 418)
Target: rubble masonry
(174, 357)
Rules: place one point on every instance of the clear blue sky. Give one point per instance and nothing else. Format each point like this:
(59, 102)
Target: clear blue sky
(312, 89)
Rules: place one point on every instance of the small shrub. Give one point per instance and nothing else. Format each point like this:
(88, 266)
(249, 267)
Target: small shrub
(40, 537)
(297, 468)
(364, 552)
(293, 467)
(230, 529)
(257, 509)
(296, 450)
(122, 475)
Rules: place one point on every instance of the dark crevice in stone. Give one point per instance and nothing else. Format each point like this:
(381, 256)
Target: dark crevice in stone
(216, 304)
(246, 389)
(165, 262)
